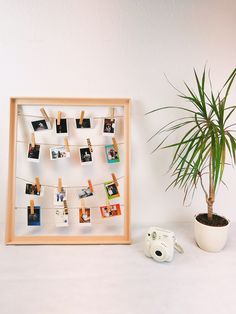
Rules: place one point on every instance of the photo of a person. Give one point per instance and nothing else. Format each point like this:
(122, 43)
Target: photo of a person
(111, 190)
(111, 154)
(40, 125)
(59, 197)
(84, 216)
(31, 189)
(87, 123)
(62, 127)
(85, 192)
(110, 211)
(85, 155)
(33, 153)
(59, 152)
(109, 127)
(33, 219)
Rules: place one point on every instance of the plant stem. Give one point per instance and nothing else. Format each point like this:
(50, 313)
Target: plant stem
(211, 198)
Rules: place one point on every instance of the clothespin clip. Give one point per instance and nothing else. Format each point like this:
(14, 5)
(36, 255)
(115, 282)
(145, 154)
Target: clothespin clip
(66, 143)
(112, 114)
(114, 179)
(44, 113)
(59, 118)
(32, 207)
(33, 140)
(59, 186)
(108, 205)
(81, 117)
(90, 185)
(89, 145)
(82, 202)
(38, 186)
(65, 207)
(115, 144)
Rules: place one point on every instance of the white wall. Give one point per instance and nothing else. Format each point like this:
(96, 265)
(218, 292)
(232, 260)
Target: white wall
(118, 48)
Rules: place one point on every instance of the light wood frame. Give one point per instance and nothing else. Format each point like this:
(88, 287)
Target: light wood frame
(11, 238)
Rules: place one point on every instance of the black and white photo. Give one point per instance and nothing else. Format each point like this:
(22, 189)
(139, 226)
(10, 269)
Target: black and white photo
(87, 123)
(62, 127)
(59, 152)
(109, 126)
(85, 192)
(85, 156)
(40, 125)
(33, 153)
(31, 189)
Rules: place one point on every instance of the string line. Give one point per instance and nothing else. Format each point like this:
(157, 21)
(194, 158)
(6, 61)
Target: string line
(71, 145)
(71, 118)
(54, 208)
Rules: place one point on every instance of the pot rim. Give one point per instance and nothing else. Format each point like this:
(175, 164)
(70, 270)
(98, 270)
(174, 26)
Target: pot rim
(195, 216)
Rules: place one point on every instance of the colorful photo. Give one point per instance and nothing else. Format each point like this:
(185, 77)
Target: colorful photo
(87, 123)
(84, 216)
(111, 154)
(59, 197)
(31, 189)
(33, 219)
(85, 156)
(110, 211)
(59, 153)
(33, 153)
(85, 192)
(62, 128)
(109, 126)
(40, 125)
(61, 217)
(111, 190)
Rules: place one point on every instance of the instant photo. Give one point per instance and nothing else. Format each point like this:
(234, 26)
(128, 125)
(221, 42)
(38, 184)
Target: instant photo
(61, 217)
(33, 153)
(86, 124)
(111, 154)
(59, 197)
(62, 128)
(84, 216)
(111, 190)
(85, 156)
(109, 127)
(59, 153)
(33, 219)
(110, 211)
(31, 189)
(40, 125)
(86, 192)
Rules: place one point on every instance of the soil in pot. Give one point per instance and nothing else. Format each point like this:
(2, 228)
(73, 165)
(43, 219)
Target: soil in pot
(217, 221)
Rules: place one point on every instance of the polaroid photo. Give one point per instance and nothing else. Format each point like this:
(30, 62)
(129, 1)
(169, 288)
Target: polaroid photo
(61, 217)
(41, 125)
(33, 153)
(111, 190)
(109, 126)
(85, 216)
(111, 154)
(87, 123)
(59, 197)
(85, 156)
(111, 211)
(59, 152)
(62, 128)
(33, 219)
(85, 192)
(31, 189)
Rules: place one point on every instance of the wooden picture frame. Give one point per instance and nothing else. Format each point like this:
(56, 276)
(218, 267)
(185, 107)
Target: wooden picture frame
(11, 238)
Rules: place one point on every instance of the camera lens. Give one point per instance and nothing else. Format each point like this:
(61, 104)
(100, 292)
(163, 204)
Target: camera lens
(158, 253)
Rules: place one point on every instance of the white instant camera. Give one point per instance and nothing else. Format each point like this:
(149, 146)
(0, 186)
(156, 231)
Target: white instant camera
(160, 244)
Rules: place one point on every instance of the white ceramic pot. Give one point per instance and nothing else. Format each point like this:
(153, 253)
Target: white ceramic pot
(210, 238)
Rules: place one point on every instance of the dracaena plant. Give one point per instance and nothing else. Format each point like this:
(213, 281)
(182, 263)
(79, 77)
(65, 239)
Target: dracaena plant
(207, 138)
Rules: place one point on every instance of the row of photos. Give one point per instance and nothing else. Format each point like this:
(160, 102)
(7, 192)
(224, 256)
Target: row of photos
(61, 152)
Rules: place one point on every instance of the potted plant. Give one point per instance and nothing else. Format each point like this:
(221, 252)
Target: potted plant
(200, 156)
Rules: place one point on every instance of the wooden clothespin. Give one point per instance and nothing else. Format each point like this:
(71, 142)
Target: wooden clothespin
(115, 144)
(66, 143)
(90, 185)
(33, 140)
(108, 205)
(59, 186)
(112, 114)
(89, 145)
(59, 118)
(44, 113)
(82, 202)
(38, 186)
(65, 207)
(81, 117)
(114, 179)
(32, 207)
